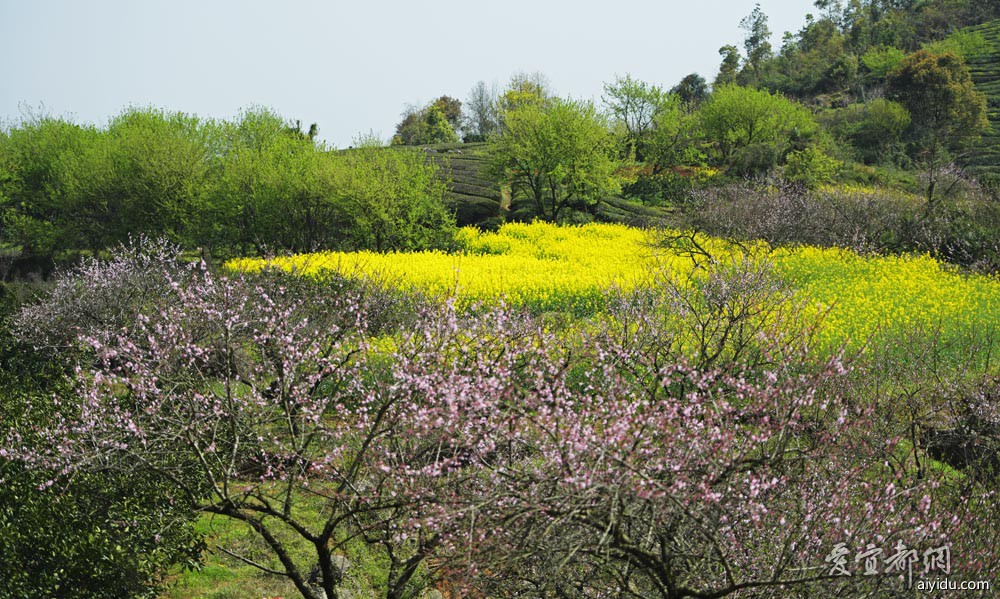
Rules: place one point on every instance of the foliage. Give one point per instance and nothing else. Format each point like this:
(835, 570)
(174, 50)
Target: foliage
(451, 108)
(875, 129)
(669, 187)
(814, 61)
(674, 138)
(736, 118)
(558, 155)
(428, 125)
(34, 215)
(810, 167)
(222, 188)
(692, 89)
(395, 201)
(636, 104)
(881, 61)
(270, 189)
(938, 92)
(961, 43)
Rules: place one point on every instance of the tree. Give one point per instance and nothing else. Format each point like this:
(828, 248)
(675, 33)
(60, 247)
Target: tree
(451, 108)
(153, 179)
(946, 109)
(688, 446)
(610, 467)
(392, 200)
(101, 534)
(692, 89)
(271, 190)
(524, 89)
(756, 43)
(35, 217)
(874, 128)
(730, 66)
(427, 125)
(675, 131)
(739, 119)
(247, 398)
(560, 155)
(812, 62)
(480, 119)
(938, 92)
(635, 104)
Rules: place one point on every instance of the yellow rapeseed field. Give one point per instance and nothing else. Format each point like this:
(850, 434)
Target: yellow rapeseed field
(543, 266)
(569, 268)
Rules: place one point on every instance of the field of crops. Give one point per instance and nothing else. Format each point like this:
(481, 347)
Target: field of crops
(552, 268)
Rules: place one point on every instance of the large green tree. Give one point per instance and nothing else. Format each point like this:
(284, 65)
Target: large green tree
(946, 109)
(739, 119)
(559, 155)
(393, 200)
(34, 219)
(634, 104)
(938, 92)
(674, 135)
(270, 190)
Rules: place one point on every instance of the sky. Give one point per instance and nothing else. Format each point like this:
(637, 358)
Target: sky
(351, 67)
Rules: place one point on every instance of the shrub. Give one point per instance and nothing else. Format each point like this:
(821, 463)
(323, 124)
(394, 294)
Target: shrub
(961, 230)
(811, 167)
(98, 534)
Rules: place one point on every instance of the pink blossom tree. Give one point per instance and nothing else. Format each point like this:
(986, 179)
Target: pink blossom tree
(508, 458)
(249, 399)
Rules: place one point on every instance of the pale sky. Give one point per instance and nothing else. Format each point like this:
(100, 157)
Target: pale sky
(351, 67)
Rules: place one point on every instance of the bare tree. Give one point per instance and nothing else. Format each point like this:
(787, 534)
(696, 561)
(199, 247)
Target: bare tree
(480, 114)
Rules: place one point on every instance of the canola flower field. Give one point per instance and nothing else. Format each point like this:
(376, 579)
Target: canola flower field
(570, 268)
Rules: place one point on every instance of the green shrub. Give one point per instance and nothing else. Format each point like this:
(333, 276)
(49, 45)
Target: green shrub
(811, 167)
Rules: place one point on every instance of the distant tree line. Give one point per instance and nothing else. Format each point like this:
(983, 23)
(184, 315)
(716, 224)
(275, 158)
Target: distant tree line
(866, 93)
(252, 185)
(869, 92)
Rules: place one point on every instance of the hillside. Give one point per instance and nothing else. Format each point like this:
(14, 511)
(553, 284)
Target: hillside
(471, 193)
(985, 69)
(479, 200)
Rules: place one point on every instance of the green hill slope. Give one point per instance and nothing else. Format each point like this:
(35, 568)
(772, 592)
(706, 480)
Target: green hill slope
(471, 193)
(479, 200)
(984, 65)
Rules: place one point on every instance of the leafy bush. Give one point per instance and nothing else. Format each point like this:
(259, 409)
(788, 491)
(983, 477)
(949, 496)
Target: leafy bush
(737, 118)
(255, 185)
(811, 167)
(100, 534)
